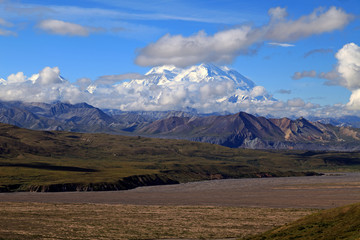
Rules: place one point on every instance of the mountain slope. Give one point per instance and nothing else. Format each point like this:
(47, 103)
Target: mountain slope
(235, 130)
(66, 161)
(245, 130)
(338, 223)
(79, 117)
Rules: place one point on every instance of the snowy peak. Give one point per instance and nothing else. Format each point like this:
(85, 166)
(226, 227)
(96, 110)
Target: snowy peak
(203, 73)
(161, 69)
(205, 87)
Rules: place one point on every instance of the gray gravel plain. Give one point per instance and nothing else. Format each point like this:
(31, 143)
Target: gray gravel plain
(327, 191)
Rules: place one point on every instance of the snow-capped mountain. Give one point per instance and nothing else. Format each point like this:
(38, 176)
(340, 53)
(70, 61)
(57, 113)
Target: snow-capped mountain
(205, 87)
(204, 73)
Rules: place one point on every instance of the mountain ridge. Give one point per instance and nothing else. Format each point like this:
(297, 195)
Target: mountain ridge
(247, 131)
(240, 130)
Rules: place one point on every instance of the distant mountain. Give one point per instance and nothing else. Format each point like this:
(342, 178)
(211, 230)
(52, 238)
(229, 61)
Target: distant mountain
(248, 131)
(348, 121)
(57, 116)
(186, 89)
(80, 117)
(235, 130)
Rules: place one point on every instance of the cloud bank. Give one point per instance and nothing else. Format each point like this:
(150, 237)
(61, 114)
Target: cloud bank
(224, 46)
(150, 93)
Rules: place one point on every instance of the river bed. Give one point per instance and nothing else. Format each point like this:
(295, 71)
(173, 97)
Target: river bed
(327, 191)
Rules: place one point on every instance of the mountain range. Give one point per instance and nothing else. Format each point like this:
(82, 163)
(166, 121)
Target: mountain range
(233, 130)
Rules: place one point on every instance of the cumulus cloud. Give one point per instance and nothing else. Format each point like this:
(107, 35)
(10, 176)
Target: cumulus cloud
(258, 91)
(349, 66)
(46, 86)
(48, 76)
(319, 21)
(320, 50)
(183, 51)
(58, 27)
(16, 78)
(304, 74)
(224, 46)
(354, 101)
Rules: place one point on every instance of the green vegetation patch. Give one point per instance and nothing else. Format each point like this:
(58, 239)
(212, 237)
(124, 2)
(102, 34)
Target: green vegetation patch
(338, 223)
(44, 160)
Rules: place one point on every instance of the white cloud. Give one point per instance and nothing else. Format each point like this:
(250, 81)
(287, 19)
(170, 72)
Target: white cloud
(349, 66)
(304, 74)
(49, 76)
(277, 13)
(63, 28)
(150, 93)
(354, 101)
(317, 22)
(46, 86)
(258, 91)
(224, 46)
(281, 44)
(16, 78)
(184, 51)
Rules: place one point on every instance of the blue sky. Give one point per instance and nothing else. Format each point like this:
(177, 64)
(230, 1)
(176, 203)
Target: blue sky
(289, 53)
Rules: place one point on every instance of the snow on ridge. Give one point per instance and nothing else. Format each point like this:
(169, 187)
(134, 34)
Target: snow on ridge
(167, 74)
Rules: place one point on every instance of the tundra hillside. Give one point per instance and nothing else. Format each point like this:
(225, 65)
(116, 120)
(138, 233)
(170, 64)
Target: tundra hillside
(65, 161)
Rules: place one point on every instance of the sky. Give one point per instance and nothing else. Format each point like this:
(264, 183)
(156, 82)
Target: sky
(305, 54)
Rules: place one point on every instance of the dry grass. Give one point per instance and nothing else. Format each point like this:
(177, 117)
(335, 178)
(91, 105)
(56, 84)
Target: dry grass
(102, 221)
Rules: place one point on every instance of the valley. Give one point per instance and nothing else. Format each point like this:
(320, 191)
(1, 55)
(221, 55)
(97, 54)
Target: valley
(230, 208)
(77, 174)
